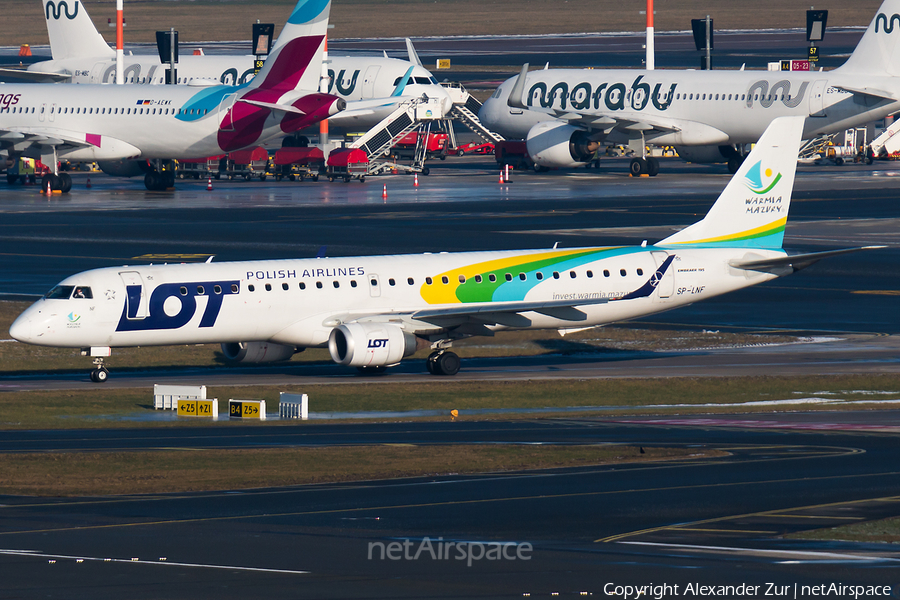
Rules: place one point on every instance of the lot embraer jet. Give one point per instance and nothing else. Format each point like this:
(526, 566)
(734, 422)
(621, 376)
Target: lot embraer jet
(81, 55)
(373, 311)
(564, 114)
(106, 122)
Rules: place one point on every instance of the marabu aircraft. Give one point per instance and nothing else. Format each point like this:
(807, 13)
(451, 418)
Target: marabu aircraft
(81, 55)
(564, 114)
(108, 122)
(373, 311)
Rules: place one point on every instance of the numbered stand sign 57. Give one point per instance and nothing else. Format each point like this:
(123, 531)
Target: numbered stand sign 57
(247, 409)
(199, 408)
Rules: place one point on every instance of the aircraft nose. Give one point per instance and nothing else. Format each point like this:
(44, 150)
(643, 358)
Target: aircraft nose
(21, 330)
(486, 112)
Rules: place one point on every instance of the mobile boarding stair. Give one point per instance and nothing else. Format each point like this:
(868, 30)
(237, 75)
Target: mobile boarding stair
(887, 145)
(465, 109)
(379, 140)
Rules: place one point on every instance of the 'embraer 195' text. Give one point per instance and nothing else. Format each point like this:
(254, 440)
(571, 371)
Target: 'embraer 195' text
(763, 205)
(611, 96)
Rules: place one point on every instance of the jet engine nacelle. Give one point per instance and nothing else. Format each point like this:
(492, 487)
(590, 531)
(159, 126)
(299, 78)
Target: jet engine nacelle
(125, 168)
(370, 344)
(257, 352)
(556, 144)
(704, 155)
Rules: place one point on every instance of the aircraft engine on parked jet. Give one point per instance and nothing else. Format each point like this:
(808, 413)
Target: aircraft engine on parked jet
(257, 352)
(555, 144)
(370, 344)
(125, 168)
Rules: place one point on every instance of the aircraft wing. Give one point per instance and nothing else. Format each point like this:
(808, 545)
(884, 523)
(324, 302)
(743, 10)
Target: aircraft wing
(794, 261)
(359, 108)
(597, 119)
(16, 140)
(272, 106)
(34, 76)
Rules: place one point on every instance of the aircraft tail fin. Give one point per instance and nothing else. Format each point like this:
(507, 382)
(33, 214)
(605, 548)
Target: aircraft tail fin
(753, 209)
(878, 52)
(295, 62)
(72, 33)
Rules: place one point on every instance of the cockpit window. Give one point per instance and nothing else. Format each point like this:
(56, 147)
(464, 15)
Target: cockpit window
(60, 292)
(433, 80)
(422, 80)
(82, 292)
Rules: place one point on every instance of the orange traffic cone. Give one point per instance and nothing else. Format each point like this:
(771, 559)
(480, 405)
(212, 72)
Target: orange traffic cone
(501, 177)
(416, 180)
(49, 191)
(384, 191)
(88, 185)
(209, 184)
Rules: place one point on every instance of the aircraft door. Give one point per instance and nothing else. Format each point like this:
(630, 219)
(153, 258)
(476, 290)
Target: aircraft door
(43, 112)
(97, 73)
(368, 89)
(817, 98)
(53, 110)
(225, 107)
(374, 286)
(135, 296)
(665, 287)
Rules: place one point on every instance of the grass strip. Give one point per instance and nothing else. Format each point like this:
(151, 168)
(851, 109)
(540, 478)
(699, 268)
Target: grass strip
(886, 531)
(105, 408)
(116, 473)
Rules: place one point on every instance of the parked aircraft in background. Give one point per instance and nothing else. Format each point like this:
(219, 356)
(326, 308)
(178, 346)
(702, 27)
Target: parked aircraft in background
(373, 311)
(709, 116)
(108, 123)
(81, 55)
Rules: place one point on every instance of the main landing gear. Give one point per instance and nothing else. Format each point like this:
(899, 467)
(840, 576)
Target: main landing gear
(61, 183)
(161, 178)
(442, 362)
(644, 166)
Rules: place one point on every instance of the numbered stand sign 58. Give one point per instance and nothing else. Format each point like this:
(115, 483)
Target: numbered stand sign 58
(199, 408)
(247, 409)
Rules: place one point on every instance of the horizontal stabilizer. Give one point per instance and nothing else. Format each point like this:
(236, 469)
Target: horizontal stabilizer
(287, 108)
(34, 76)
(869, 91)
(796, 261)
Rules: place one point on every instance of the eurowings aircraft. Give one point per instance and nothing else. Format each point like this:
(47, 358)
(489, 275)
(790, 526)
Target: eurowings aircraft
(564, 114)
(107, 122)
(81, 55)
(372, 311)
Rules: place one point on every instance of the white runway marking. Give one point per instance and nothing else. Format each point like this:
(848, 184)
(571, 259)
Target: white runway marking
(795, 554)
(162, 561)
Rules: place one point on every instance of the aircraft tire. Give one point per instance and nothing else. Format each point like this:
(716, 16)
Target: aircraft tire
(652, 166)
(100, 375)
(12, 179)
(734, 164)
(65, 183)
(447, 363)
(151, 181)
(637, 167)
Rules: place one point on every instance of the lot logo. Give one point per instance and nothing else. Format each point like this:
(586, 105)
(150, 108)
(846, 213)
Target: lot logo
(173, 305)
(756, 178)
(886, 25)
(56, 9)
(377, 343)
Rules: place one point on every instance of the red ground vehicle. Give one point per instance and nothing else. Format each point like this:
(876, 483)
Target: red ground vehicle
(437, 144)
(347, 163)
(302, 163)
(472, 148)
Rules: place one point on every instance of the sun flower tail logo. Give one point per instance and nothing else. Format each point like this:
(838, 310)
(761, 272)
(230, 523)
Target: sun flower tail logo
(73, 317)
(757, 178)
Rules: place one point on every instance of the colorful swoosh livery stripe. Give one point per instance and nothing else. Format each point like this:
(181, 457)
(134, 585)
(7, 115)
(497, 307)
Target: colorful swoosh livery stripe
(770, 235)
(754, 179)
(306, 12)
(501, 290)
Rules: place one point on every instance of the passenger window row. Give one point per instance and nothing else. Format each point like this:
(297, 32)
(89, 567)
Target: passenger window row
(492, 277)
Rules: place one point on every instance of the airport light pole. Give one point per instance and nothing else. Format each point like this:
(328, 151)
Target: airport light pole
(650, 50)
(120, 44)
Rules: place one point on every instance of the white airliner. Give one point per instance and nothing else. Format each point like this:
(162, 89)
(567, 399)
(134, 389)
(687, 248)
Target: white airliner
(108, 122)
(708, 115)
(81, 55)
(373, 311)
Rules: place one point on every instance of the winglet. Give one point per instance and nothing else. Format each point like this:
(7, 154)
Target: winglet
(517, 95)
(752, 211)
